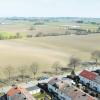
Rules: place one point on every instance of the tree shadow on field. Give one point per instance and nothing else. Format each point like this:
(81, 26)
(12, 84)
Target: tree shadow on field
(48, 73)
(63, 69)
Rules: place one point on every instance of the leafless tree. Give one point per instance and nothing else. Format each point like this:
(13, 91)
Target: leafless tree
(17, 35)
(56, 66)
(9, 71)
(34, 68)
(22, 72)
(31, 28)
(74, 62)
(96, 56)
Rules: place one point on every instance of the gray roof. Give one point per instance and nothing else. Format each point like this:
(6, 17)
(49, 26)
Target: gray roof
(75, 93)
(18, 97)
(32, 88)
(71, 91)
(53, 81)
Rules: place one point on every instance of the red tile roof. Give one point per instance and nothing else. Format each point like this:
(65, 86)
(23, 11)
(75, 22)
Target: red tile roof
(16, 90)
(89, 75)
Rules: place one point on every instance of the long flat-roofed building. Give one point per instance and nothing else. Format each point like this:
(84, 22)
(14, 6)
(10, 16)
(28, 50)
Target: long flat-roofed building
(62, 90)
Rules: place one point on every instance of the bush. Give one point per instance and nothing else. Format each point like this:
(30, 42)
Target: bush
(39, 34)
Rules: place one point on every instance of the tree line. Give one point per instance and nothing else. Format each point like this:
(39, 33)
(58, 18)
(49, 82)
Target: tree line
(22, 74)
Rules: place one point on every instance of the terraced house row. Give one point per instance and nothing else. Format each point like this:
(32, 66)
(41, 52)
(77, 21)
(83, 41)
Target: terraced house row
(62, 90)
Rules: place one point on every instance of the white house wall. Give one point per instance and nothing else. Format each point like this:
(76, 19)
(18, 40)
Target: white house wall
(92, 83)
(60, 94)
(34, 91)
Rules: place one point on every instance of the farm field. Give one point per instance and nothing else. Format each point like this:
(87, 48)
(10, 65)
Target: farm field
(10, 27)
(47, 50)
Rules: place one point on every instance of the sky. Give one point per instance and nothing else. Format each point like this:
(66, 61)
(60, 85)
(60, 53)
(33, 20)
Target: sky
(50, 8)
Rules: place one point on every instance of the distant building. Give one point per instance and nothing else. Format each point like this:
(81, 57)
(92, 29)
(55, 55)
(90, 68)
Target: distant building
(62, 90)
(90, 79)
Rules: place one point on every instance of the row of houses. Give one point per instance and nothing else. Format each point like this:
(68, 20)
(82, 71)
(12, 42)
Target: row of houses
(60, 88)
(63, 89)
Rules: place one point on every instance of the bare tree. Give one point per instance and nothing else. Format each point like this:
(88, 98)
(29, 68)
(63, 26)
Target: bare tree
(74, 62)
(95, 55)
(34, 69)
(22, 72)
(17, 35)
(56, 66)
(9, 71)
(31, 28)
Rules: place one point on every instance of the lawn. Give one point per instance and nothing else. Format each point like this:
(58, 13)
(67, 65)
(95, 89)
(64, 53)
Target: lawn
(41, 96)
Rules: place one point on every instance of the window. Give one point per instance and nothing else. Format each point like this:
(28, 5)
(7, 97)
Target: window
(62, 98)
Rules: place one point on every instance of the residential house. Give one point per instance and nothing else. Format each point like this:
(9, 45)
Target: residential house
(91, 79)
(19, 93)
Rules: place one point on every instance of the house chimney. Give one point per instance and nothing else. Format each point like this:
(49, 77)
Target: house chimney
(56, 78)
(19, 93)
(84, 95)
(25, 98)
(16, 87)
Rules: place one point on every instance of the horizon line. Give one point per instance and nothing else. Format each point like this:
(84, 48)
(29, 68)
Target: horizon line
(48, 17)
